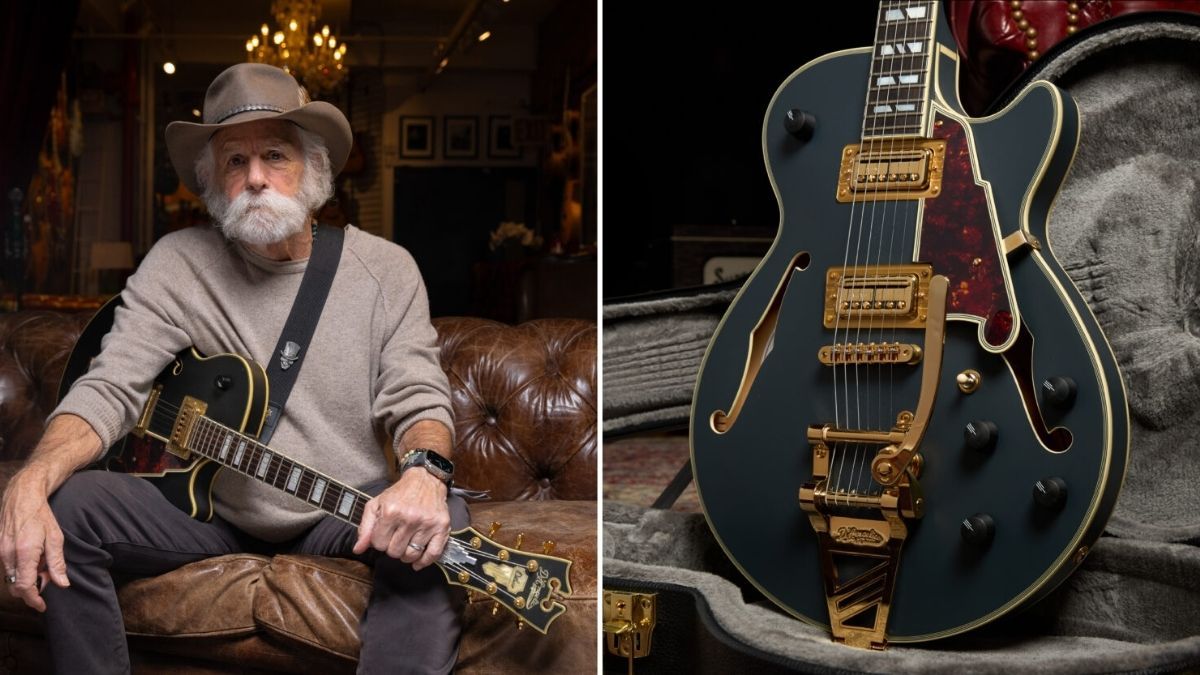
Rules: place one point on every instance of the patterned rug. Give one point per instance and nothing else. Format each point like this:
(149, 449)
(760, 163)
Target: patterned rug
(636, 470)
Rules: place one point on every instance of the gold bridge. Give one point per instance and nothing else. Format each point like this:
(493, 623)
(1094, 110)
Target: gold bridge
(859, 606)
(891, 168)
(873, 353)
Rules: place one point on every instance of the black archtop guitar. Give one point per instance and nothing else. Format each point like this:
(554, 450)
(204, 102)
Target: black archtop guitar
(203, 415)
(909, 423)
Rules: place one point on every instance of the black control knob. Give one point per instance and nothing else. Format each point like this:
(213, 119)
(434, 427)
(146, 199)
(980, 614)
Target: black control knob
(223, 382)
(799, 124)
(978, 530)
(1050, 493)
(1059, 391)
(980, 435)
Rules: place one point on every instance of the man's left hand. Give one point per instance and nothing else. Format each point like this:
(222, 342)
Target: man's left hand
(409, 520)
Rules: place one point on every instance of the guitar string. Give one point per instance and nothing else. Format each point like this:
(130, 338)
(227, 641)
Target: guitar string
(926, 73)
(884, 97)
(880, 420)
(881, 97)
(861, 376)
(923, 35)
(837, 455)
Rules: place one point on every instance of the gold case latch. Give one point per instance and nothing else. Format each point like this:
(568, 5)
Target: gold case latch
(629, 623)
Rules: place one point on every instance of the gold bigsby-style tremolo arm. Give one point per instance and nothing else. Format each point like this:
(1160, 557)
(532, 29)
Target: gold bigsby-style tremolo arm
(859, 606)
(892, 461)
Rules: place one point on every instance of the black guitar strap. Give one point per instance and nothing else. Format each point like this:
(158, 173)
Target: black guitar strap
(285, 361)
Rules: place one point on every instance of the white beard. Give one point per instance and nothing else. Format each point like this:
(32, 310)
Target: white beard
(261, 219)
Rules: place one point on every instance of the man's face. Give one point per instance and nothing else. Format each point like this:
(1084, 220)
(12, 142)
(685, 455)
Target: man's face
(258, 193)
(258, 156)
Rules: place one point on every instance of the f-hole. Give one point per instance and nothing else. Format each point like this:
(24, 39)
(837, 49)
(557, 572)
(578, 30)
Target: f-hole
(760, 337)
(1020, 361)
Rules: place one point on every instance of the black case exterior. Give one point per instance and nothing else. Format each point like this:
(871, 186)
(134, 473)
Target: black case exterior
(688, 639)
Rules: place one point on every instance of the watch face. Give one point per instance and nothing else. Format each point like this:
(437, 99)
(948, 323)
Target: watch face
(439, 462)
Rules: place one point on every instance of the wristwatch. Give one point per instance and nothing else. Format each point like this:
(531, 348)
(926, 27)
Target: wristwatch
(440, 467)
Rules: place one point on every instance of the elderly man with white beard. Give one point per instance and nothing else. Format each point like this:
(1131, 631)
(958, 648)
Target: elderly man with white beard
(263, 159)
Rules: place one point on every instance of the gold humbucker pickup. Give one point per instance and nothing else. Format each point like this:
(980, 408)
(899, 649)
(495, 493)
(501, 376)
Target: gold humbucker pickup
(883, 296)
(893, 168)
(869, 353)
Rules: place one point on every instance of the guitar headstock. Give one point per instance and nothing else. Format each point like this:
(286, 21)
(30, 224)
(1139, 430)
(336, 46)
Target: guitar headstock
(529, 585)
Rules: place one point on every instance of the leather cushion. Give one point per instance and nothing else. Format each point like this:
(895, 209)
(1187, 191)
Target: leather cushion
(207, 598)
(524, 406)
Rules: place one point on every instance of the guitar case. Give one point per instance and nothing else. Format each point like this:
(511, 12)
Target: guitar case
(1127, 228)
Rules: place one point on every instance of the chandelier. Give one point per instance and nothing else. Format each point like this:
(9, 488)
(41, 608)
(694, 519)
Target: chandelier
(314, 58)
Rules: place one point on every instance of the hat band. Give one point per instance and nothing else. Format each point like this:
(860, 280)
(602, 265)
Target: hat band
(247, 108)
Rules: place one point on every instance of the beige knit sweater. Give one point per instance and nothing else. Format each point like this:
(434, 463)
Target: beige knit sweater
(370, 373)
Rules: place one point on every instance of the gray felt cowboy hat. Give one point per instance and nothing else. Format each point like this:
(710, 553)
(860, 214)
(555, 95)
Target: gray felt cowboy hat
(255, 91)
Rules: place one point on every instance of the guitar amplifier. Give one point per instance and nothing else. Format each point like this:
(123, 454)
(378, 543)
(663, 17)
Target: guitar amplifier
(712, 254)
(1124, 228)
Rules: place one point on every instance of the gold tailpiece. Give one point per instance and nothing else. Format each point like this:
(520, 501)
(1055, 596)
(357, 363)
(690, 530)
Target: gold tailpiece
(859, 605)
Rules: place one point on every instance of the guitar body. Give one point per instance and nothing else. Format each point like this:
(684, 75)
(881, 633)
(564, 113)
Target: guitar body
(234, 391)
(186, 482)
(1013, 317)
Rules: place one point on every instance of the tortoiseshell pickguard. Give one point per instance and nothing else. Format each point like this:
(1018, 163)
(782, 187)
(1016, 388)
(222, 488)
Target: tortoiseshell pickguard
(147, 455)
(958, 239)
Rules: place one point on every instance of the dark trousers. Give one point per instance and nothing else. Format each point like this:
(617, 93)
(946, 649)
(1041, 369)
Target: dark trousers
(114, 522)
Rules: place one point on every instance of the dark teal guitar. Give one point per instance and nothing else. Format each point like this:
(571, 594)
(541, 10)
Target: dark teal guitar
(908, 423)
(203, 416)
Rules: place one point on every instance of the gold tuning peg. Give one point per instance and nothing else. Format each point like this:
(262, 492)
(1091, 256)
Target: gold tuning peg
(495, 608)
(547, 547)
(492, 530)
(520, 540)
(520, 624)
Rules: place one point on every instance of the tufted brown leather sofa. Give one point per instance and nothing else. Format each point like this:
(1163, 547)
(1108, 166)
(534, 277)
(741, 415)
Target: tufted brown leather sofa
(525, 408)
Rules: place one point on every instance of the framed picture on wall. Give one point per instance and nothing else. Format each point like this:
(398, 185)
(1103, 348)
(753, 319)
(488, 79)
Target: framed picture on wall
(461, 134)
(416, 138)
(500, 138)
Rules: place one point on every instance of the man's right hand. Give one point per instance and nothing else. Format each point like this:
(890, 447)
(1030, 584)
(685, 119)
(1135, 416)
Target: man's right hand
(31, 542)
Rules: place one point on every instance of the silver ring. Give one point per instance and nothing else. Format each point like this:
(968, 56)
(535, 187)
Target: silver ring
(10, 579)
(415, 547)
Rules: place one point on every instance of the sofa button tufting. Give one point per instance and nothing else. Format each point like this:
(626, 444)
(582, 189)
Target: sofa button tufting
(545, 483)
(491, 420)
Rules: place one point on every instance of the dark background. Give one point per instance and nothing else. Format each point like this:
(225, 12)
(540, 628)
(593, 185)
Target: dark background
(684, 99)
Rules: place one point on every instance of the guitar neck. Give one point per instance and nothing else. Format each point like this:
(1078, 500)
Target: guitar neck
(901, 61)
(241, 453)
